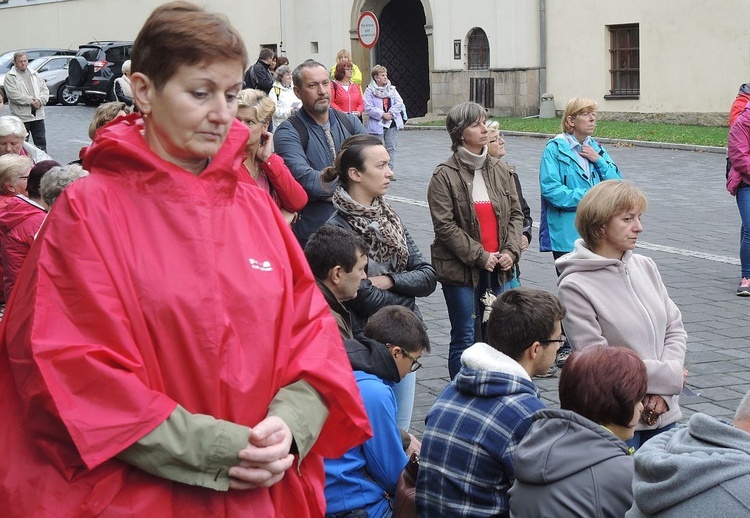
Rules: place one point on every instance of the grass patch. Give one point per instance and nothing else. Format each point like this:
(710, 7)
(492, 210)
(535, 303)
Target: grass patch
(647, 131)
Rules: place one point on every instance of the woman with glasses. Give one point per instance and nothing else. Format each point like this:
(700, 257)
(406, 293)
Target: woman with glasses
(397, 273)
(478, 223)
(617, 298)
(496, 149)
(572, 163)
(346, 95)
(267, 169)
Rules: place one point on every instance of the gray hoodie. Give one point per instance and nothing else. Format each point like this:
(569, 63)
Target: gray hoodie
(702, 469)
(568, 465)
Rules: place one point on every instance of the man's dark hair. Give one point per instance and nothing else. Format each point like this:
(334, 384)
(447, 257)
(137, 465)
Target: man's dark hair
(297, 72)
(521, 317)
(265, 54)
(332, 246)
(398, 325)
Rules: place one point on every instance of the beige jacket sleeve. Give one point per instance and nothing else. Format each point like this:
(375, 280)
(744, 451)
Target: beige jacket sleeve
(199, 449)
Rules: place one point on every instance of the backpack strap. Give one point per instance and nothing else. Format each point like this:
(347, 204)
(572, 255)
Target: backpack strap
(304, 136)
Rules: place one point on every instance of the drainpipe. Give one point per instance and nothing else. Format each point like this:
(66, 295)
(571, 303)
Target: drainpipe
(542, 47)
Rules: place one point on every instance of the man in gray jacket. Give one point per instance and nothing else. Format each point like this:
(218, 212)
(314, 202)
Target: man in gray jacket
(702, 469)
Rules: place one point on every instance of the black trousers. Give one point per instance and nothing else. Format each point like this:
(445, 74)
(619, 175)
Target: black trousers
(37, 132)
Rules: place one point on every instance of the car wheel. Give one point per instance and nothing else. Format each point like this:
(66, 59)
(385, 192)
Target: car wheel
(68, 97)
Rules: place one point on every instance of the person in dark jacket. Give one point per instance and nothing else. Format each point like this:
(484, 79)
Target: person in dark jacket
(259, 75)
(574, 461)
(478, 223)
(496, 148)
(364, 477)
(397, 272)
(338, 260)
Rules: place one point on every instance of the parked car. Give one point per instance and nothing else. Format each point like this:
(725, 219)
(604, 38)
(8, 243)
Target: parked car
(54, 71)
(6, 60)
(96, 66)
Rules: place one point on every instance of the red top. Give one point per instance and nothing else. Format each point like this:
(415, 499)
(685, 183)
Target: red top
(347, 101)
(147, 287)
(487, 225)
(285, 190)
(19, 223)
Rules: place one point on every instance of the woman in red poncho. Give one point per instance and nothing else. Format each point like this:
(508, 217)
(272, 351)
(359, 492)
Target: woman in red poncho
(168, 353)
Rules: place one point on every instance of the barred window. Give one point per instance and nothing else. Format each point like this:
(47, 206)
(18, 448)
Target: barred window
(625, 64)
(478, 48)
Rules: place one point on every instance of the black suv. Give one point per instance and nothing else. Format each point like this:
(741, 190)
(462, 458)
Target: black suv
(96, 66)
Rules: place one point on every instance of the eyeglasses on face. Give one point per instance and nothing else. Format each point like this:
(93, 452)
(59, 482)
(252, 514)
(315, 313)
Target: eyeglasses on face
(560, 340)
(415, 365)
(23, 177)
(499, 137)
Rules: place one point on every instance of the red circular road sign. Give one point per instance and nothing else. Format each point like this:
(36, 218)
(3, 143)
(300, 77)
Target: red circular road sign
(368, 29)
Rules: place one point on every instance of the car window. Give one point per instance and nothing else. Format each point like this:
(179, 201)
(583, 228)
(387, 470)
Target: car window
(118, 54)
(90, 53)
(56, 63)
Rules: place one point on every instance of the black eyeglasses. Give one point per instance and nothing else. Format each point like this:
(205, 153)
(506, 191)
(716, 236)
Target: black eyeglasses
(23, 177)
(415, 365)
(560, 340)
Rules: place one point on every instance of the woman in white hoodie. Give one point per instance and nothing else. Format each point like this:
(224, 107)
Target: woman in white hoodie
(615, 297)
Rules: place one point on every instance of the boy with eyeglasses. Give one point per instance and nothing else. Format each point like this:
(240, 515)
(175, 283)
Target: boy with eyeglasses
(476, 423)
(361, 480)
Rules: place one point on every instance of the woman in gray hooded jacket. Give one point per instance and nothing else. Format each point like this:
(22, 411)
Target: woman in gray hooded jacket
(574, 461)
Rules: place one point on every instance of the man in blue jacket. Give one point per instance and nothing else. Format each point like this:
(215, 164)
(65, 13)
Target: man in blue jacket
(309, 140)
(362, 480)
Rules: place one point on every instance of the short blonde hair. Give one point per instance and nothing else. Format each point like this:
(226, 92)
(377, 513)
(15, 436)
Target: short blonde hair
(378, 69)
(12, 168)
(105, 113)
(493, 128)
(602, 203)
(343, 53)
(574, 107)
(257, 99)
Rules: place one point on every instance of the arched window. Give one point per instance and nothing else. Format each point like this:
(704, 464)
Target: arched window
(478, 49)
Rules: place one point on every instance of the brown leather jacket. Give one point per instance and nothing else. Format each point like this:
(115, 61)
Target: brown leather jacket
(457, 252)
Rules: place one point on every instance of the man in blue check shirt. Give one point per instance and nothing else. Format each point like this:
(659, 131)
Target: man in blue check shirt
(475, 425)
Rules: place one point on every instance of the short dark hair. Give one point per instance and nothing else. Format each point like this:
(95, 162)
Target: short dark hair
(352, 154)
(180, 34)
(297, 72)
(35, 177)
(460, 117)
(603, 384)
(265, 53)
(398, 325)
(521, 317)
(332, 246)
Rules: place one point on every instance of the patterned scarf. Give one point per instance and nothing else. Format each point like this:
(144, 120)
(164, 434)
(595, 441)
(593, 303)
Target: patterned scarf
(378, 225)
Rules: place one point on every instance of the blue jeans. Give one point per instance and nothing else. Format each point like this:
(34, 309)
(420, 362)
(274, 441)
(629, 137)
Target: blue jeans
(465, 314)
(743, 204)
(404, 392)
(644, 435)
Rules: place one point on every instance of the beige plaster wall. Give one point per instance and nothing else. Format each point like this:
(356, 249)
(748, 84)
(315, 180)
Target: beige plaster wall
(693, 54)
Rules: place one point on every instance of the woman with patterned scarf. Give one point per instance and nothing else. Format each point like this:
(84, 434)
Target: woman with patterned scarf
(397, 271)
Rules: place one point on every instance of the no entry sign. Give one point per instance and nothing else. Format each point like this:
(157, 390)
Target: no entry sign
(368, 29)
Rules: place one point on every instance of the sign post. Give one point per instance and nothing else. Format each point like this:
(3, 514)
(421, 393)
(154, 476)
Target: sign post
(368, 29)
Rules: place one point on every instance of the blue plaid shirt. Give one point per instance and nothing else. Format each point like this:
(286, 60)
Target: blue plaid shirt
(471, 433)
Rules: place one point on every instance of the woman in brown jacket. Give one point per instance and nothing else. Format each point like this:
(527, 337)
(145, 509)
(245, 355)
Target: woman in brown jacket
(478, 223)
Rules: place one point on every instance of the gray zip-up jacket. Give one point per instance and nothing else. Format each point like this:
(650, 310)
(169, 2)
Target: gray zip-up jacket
(568, 465)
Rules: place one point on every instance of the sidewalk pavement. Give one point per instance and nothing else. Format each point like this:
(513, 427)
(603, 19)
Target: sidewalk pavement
(691, 231)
